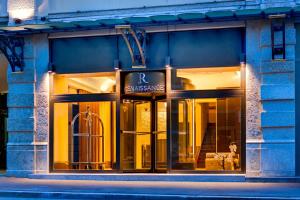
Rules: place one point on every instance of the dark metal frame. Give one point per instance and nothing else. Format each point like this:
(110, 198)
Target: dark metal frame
(159, 97)
(135, 40)
(180, 94)
(69, 98)
(153, 128)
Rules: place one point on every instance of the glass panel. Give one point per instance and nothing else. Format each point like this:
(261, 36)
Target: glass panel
(206, 134)
(161, 135)
(136, 135)
(206, 78)
(84, 136)
(84, 84)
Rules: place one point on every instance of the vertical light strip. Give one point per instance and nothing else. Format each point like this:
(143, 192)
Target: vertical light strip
(193, 131)
(216, 125)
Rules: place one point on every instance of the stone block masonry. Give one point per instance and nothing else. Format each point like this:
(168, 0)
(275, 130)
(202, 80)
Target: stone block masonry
(28, 111)
(270, 100)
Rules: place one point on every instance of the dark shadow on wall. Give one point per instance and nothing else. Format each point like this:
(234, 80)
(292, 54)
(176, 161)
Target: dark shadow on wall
(3, 111)
(3, 130)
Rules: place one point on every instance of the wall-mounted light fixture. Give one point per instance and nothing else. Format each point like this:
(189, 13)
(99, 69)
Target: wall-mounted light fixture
(278, 36)
(17, 21)
(21, 14)
(43, 19)
(116, 64)
(50, 68)
(168, 62)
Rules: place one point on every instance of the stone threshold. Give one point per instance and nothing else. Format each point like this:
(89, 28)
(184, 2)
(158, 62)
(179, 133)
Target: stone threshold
(144, 177)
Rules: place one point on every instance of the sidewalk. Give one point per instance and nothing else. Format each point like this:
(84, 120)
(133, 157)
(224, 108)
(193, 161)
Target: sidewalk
(67, 189)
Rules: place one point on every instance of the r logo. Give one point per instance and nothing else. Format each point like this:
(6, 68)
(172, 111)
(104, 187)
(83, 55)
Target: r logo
(142, 78)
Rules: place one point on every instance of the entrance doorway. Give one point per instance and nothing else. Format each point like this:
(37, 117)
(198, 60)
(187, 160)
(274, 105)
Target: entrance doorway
(3, 112)
(144, 135)
(3, 132)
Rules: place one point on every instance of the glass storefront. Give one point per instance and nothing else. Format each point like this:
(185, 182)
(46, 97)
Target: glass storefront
(207, 119)
(84, 84)
(189, 120)
(213, 78)
(206, 134)
(84, 127)
(84, 135)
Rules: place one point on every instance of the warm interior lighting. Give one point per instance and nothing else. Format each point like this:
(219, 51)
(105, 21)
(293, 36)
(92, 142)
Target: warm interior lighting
(208, 78)
(107, 85)
(21, 14)
(136, 118)
(3, 74)
(92, 83)
(208, 131)
(80, 145)
(237, 75)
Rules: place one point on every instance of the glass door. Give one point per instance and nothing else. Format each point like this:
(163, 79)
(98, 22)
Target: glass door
(136, 135)
(160, 134)
(143, 135)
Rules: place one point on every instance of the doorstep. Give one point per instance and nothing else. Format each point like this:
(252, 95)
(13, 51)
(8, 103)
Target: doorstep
(144, 177)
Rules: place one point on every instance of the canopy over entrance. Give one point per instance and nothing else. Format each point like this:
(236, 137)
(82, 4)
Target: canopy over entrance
(190, 17)
(11, 41)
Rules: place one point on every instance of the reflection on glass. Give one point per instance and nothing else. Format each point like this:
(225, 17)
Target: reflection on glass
(161, 135)
(206, 134)
(139, 136)
(206, 78)
(74, 84)
(136, 135)
(84, 136)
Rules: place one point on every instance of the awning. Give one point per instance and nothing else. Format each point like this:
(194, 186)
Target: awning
(192, 17)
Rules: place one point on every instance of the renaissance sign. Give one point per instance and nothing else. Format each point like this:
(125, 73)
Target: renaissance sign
(145, 82)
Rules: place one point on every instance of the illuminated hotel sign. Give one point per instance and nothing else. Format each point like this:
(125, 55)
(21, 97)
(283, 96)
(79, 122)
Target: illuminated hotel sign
(145, 82)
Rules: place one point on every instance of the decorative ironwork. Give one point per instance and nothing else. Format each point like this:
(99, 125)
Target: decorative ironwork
(13, 49)
(136, 42)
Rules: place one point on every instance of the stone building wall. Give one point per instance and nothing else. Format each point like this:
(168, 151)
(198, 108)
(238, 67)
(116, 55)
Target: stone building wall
(21, 112)
(42, 103)
(253, 106)
(278, 104)
(28, 111)
(270, 103)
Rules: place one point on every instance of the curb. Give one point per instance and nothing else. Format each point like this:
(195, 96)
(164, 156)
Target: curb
(141, 177)
(121, 196)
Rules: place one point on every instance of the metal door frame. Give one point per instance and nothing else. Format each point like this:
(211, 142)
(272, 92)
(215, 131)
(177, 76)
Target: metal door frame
(152, 100)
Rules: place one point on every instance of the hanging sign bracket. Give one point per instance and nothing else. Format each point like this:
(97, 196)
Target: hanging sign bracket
(135, 40)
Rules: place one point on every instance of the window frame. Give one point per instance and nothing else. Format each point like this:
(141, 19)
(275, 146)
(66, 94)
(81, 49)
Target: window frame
(70, 98)
(218, 93)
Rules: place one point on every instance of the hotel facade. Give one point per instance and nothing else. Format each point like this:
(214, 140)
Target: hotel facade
(168, 87)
